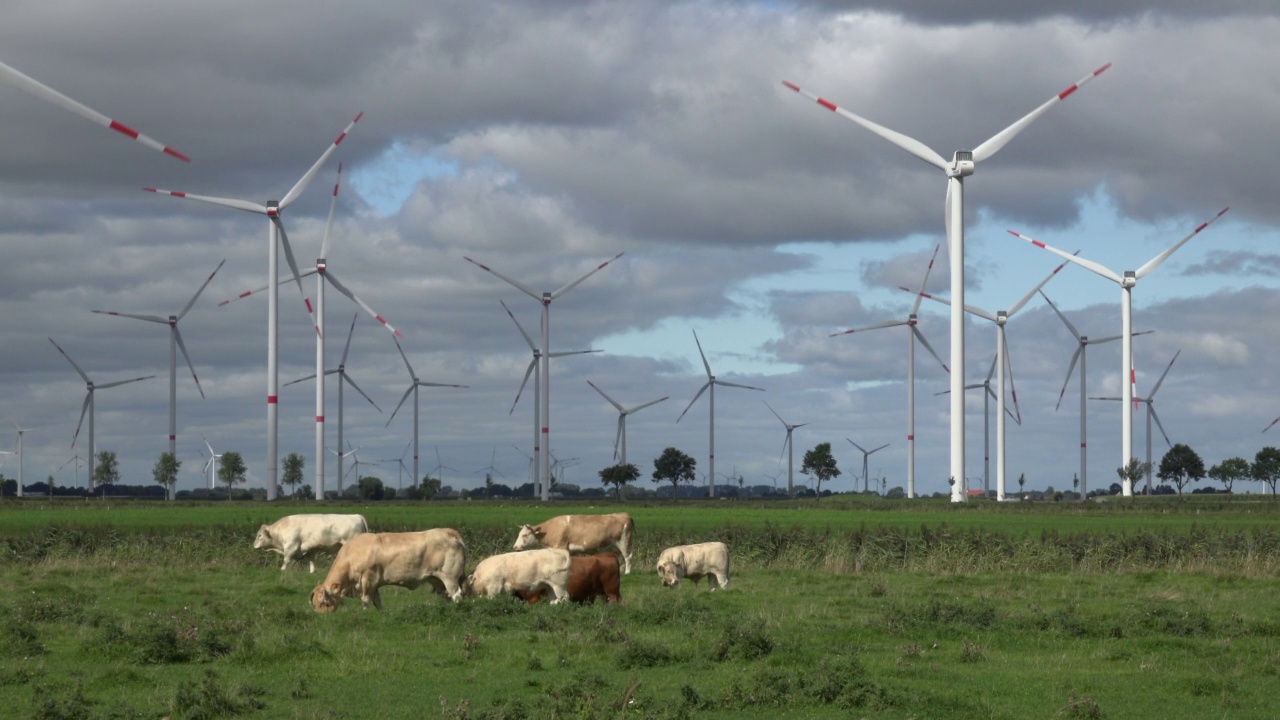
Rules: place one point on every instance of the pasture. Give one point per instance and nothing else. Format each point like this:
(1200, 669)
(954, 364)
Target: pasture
(857, 608)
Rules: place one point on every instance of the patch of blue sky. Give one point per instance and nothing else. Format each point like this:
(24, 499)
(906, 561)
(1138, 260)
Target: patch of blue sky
(389, 181)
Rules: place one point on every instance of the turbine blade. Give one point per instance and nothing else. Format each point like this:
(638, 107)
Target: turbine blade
(746, 387)
(301, 379)
(971, 309)
(578, 282)
(363, 394)
(566, 353)
(532, 345)
(879, 448)
(992, 370)
(856, 445)
(1025, 298)
(403, 397)
(148, 318)
(920, 336)
(225, 202)
(305, 180)
(73, 362)
(1013, 390)
(1062, 317)
(202, 287)
(104, 386)
(247, 293)
(514, 283)
(997, 141)
(915, 308)
(1082, 262)
(1273, 422)
(44, 92)
(1072, 366)
(1151, 408)
(910, 144)
(606, 397)
(293, 266)
(775, 413)
(328, 225)
(177, 335)
(412, 375)
(705, 364)
(877, 326)
(336, 283)
(528, 371)
(618, 437)
(1156, 388)
(84, 407)
(350, 332)
(694, 400)
(652, 402)
(1156, 261)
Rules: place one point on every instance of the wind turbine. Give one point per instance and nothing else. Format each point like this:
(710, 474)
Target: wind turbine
(1081, 354)
(275, 229)
(21, 430)
(402, 469)
(211, 467)
(787, 446)
(1126, 281)
(1000, 318)
(541, 458)
(489, 469)
(441, 466)
(175, 344)
(354, 452)
(987, 394)
(962, 165)
(88, 404)
(77, 460)
(44, 92)
(413, 388)
(1149, 400)
(913, 333)
(711, 383)
(866, 454)
(537, 384)
(621, 437)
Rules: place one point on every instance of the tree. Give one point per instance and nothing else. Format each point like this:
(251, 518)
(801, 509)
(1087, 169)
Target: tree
(1180, 466)
(1134, 471)
(293, 464)
(370, 488)
(1230, 470)
(618, 476)
(674, 467)
(820, 463)
(165, 472)
(1266, 467)
(107, 471)
(1022, 482)
(430, 487)
(231, 470)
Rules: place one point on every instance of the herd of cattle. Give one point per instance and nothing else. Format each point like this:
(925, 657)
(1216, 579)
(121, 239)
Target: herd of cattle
(541, 563)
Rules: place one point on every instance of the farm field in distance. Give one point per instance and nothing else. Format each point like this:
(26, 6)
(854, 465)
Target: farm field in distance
(849, 607)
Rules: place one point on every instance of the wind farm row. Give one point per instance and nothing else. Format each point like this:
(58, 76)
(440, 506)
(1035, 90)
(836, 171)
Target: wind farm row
(962, 165)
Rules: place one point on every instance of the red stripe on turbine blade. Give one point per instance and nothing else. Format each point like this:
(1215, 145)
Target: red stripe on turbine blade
(175, 153)
(224, 302)
(791, 85)
(1202, 226)
(307, 300)
(827, 104)
(379, 319)
(1039, 244)
(1101, 70)
(123, 129)
(1062, 95)
(246, 293)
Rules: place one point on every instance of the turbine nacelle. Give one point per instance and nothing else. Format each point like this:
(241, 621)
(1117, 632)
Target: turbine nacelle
(273, 208)
(1129, 280)
(962, 164)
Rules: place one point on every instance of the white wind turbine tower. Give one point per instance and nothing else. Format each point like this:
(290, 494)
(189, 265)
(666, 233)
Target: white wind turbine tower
(21, 430)
(1000, 318)
(88, 405)
(711, 383)
(44, 92)
(1081, 354)
(1126, 281)
(77, 460)
(866, 454)
(787, 447)
(913, 333)
(211, 467)
(987, 394)
(540, 449)
(275, 231)
(343, 377)
(402, 469)
(175, 344)
(961, 166)
(413, 388)
(1149, 400)
(537, 384)
(621, 437)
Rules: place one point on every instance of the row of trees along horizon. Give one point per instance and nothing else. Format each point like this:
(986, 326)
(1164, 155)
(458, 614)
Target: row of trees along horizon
(1179, 467)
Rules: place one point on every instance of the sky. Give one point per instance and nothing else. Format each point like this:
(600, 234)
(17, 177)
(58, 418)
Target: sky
(542, 139)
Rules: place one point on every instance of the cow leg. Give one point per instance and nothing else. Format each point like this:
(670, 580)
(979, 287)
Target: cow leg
(559, 591)
(451, 588)
(713, 581)
(372, 596)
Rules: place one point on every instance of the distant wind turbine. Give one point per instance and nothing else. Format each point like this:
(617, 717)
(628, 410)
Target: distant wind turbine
(711, 383)
(414, 384)
(866, 454)
(1149, 400)
(961, 166)
(787, 446)
(621, 437)
(21, 430)
(1126, 283)
(88, 405)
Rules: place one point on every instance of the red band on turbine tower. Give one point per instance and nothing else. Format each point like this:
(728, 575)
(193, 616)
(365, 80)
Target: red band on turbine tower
(271, 399)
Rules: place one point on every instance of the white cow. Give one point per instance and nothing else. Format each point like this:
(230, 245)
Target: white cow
(406, 559)
(524, 571)
(302, 536)
(710, 560)
(581, 533)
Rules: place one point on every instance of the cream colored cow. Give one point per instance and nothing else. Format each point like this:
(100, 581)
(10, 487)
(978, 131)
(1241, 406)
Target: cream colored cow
(709, 560)
(409, 559)
(301, 537)
(581, 533)
(523, 571)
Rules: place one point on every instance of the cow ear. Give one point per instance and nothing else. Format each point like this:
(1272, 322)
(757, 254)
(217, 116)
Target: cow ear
(264, 530)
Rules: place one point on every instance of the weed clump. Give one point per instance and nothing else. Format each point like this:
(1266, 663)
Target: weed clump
(209, 699)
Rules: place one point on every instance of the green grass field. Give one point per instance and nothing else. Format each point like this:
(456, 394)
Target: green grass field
(853, 608)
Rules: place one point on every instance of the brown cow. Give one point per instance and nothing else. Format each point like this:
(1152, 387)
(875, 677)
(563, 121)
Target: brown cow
(409, 559)
(581, 533)
(590, 576)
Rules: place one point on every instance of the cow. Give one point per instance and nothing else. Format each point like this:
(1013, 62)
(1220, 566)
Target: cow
(299, 537)
(526, 570)
(408, 559)
(710, 560)
(590, 576)
(581, 533)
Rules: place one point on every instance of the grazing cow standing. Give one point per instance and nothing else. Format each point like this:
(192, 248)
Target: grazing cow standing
(299, 537)
(581, 533)
(524, 571)
(590, 576)
(710, 560)
(408, 559)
